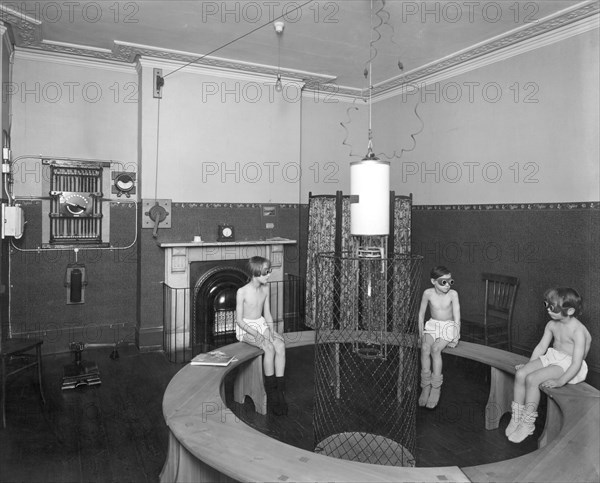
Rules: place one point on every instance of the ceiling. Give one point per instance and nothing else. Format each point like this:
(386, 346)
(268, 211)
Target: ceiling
(326, 41)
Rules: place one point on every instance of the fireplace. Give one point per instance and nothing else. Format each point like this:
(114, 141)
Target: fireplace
(214, 287)
(201, 281)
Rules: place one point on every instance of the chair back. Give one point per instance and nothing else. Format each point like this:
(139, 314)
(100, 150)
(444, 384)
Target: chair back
(500, 295)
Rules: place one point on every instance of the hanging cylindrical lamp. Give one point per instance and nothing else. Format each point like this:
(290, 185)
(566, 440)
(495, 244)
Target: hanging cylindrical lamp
(370, 195)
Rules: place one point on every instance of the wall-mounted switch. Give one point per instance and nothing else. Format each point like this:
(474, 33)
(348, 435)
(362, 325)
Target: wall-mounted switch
(149, 221)
(13, 221)
(158, 82)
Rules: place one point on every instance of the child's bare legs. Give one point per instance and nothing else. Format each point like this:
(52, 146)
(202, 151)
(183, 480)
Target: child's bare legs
(426, 343)
(274, 369)
(436, 372)
(279, 362)
(279, 357)
(527, 398)
(274, 357)
(528, 379)
(268, 358)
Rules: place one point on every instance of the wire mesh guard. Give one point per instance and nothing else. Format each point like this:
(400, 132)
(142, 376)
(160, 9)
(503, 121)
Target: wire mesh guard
(366, 357)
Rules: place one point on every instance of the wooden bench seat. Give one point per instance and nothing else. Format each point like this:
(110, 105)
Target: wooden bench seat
(207, 442)
(502, 371)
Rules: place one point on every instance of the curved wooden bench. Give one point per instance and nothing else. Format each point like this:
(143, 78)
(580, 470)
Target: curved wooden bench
(568, 447)
(207, 442)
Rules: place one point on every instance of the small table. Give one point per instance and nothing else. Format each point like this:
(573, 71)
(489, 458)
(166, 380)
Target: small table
(19, 347)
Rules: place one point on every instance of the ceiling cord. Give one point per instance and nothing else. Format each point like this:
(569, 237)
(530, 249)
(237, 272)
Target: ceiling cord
(238, 38)
(157, 148)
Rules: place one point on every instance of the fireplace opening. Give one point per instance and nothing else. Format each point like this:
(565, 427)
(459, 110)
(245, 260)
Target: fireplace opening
(214, 303)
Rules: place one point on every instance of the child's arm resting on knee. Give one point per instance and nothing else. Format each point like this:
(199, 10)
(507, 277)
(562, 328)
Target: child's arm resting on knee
(421, 319)
(543, 344)
(456, 318)
(268, 317)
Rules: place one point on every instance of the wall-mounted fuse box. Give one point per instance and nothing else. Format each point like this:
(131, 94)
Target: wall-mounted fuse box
(13, 221)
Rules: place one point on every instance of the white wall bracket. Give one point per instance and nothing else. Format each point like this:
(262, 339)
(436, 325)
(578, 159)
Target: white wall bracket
(158, 81)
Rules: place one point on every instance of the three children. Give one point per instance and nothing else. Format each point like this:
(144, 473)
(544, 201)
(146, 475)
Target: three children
(563, 363)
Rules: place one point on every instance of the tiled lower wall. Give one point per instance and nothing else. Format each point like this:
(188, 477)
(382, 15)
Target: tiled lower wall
(543, 244)
(123, 295)
(248, 219)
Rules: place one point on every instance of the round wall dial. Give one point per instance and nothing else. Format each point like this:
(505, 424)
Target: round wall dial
(75, 204)
(124, 183)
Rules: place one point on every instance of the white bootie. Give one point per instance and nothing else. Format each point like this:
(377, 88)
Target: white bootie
(436, 387)
(517, 413)
(426, 387)
(524, 428)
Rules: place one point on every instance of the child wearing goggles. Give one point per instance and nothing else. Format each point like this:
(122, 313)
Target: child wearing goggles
(555, 366)
(441, 330)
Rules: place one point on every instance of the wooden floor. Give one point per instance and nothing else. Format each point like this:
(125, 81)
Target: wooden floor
(451, 434)
(113, 432)
(116, 432)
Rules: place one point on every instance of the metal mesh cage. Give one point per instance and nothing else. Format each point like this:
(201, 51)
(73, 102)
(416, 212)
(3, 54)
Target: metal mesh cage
(366, 357)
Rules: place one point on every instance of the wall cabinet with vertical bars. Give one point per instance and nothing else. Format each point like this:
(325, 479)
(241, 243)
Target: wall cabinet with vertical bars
(77, 213)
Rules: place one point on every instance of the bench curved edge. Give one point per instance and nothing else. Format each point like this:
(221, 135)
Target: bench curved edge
(221, 446)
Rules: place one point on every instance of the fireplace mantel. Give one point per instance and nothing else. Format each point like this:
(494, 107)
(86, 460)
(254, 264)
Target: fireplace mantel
(270, 241)
(179, 255)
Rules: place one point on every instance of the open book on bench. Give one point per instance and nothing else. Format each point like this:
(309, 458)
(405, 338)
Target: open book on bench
(213, 358)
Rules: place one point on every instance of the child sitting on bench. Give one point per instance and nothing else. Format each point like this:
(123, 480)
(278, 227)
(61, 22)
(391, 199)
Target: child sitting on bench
(255, 327)
(550, 366)
(443, 329)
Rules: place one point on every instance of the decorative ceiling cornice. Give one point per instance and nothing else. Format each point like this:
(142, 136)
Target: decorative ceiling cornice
(551, 27)
(26, 30)
(135, 51)
(80, 51)
(27, 34)
(5, 39)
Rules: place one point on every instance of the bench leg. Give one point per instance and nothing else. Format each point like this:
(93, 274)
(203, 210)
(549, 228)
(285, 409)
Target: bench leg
(38, 354)
(501, 395)
(3, 402)
(554, 421)
(249, 382)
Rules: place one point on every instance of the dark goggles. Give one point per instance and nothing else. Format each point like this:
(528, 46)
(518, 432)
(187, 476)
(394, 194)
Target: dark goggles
(555, 308)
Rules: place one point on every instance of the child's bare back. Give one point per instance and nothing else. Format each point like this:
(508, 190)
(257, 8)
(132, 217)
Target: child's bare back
(567, 336)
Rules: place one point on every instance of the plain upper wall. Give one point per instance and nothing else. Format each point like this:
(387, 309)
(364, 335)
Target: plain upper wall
(67, 107)
(221, 140)
(522, 130)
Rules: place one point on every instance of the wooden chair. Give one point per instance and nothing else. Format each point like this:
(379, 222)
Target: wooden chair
(494, 328)
(19, 348)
